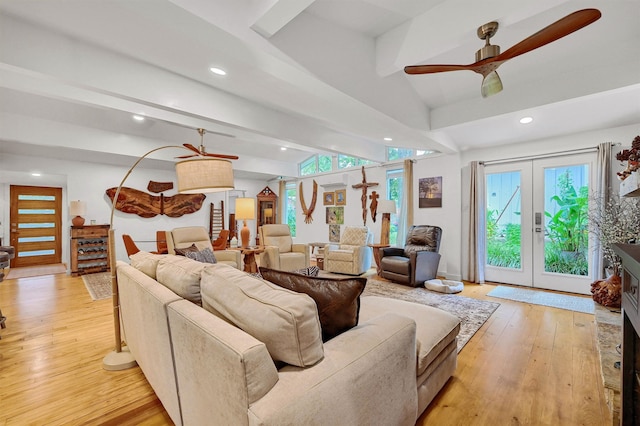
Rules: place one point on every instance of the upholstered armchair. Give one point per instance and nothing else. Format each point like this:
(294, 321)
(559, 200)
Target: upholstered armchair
(280, 252)
(352, 255)
(198, 235)
(418, 261)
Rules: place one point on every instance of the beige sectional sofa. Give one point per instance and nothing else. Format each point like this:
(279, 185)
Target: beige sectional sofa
(183, 322)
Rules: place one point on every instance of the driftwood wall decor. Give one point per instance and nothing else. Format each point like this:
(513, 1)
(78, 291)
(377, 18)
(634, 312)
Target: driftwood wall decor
(364, 185)
(148, 205)
(309, 211)
(374, 205)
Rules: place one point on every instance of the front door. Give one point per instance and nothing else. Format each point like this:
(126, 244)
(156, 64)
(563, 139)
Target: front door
(35, 225)
(537, 223)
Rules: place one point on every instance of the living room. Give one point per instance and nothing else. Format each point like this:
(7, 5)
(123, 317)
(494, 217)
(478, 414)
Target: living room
(85, 151)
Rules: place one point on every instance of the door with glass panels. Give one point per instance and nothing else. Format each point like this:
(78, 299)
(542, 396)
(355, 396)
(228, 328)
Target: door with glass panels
(537, 223)
(35, 225)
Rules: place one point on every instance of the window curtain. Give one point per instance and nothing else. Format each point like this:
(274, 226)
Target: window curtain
(406, 203)
(603, 192)
(476, 243)
(282, 201)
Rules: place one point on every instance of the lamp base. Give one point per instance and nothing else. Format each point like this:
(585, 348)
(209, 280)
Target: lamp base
(116, 361)
(244, 235)
(77, 221)
(386, 227)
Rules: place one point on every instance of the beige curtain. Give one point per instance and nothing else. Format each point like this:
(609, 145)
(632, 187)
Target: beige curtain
(405, 219)
(602, 190)
(476, 242)
(282, 198)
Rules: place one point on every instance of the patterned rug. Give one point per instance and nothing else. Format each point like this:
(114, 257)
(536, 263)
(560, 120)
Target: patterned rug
(546, 298)
(36, 271)
(472, 312)
(98, 285)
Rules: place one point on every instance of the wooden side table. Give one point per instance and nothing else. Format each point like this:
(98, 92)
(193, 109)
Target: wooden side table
(376, 254)
(249, 255)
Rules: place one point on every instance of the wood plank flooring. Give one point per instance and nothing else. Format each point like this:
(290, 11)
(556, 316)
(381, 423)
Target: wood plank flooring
(528, 365)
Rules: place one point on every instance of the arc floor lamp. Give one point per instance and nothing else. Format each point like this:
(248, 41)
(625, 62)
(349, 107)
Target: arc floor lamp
(204, 173)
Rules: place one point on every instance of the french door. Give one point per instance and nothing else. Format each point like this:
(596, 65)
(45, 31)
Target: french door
(35, 225)
(537, 223)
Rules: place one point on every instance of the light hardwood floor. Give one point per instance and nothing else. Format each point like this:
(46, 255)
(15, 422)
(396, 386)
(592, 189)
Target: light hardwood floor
(528, 365)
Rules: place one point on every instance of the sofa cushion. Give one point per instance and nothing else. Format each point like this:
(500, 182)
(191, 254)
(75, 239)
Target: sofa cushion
(146, 262)
(435, 328)
(182, 276)
(205, 255)
(285, 321)
(338, 300)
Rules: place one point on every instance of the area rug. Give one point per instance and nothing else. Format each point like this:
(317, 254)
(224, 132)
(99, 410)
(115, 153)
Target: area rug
(472, 312)
(98, 285)
(545, 298)
(36, 271)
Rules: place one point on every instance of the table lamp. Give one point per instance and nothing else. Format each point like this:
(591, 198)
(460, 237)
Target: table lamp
(77, 209)
(268, 214)
(386, 207)
(245, 210)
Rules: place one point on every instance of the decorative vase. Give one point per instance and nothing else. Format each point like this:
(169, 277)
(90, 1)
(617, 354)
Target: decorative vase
(608, 292)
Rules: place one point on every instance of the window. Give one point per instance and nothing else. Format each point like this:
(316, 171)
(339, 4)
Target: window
(346, 161)
(394, 192)
(325, 163)
(395, 153)
(290, 206)
(309, 166)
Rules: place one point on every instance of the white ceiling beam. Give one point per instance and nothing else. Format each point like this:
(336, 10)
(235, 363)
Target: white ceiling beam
(275, 14)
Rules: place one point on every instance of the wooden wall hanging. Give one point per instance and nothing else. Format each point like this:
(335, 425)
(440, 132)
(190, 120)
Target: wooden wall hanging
(308, 211)
(374, 205)
(364, 185)
(148, 205)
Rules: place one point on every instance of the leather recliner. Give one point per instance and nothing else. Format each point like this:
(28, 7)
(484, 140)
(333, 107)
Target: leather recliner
(417, 261)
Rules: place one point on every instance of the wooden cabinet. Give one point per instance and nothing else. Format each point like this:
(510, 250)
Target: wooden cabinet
(267, 210)
(89, 249)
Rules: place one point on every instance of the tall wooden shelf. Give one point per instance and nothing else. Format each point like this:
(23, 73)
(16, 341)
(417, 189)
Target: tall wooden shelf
(89, 249)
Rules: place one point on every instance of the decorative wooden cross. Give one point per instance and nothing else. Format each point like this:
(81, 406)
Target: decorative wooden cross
(364, 185)
(374, 205)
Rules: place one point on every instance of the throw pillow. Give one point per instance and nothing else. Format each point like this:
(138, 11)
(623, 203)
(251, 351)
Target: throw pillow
(285, 321)
(311, 271)
(205, 256)
(338, 300)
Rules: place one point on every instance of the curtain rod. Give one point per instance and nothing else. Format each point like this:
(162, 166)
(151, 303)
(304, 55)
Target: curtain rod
(540, 156)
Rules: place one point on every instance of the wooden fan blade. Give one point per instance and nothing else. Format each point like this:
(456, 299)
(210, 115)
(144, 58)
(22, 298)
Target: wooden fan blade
(225, 156)
(430, 69)
(191, 147)
(561, 28)
(186, 156)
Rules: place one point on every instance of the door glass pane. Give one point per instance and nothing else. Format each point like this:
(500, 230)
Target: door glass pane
(504, 220)
(566, 198)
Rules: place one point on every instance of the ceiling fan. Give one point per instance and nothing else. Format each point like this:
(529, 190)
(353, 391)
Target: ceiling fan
(489, 58)
(201, 152)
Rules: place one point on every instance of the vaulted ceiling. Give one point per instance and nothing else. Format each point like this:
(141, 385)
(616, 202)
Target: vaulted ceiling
(312, 76)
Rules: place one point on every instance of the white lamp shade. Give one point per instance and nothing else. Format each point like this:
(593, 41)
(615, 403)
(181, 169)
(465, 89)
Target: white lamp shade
(77, 208)
(386, 206)
(245, 208)
(204, 175)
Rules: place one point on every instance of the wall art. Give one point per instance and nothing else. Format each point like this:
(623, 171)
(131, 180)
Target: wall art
(430, 192)
(335, 215)
(341, 197)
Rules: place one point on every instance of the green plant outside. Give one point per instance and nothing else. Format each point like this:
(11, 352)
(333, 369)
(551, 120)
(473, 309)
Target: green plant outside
(567, 240)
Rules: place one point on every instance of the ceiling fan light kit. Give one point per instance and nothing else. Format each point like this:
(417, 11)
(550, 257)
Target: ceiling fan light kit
(489, 58)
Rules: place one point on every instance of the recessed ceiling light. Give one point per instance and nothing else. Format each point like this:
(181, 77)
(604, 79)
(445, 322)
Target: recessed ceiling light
(36, 174)
(526, 120)
(218, 71)
(388, 139)
(138, 117)
(283, 148)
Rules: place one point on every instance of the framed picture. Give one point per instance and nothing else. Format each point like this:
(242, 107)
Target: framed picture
(334, 233)
(430, 192)
(335, 215)
(328, 198)
(341, 197)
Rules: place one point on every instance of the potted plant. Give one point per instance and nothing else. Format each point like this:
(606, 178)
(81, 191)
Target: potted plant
(615, 221)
